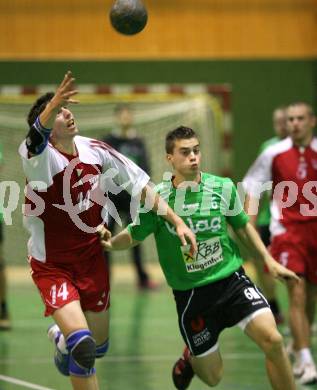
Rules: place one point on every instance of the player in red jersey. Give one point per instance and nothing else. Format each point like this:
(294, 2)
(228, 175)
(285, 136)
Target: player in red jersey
(67, 176)
(292, 167)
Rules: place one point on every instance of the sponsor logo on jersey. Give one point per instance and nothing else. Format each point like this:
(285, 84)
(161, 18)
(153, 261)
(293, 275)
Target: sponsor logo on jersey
(209, 253)
(213, 225)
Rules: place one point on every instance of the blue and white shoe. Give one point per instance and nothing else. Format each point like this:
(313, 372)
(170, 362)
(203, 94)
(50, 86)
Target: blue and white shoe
(61, 355)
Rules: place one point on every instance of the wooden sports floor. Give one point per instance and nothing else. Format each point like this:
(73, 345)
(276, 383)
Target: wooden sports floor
(144, 343)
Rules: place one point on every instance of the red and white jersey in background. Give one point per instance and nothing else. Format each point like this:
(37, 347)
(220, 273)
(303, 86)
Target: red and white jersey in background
(285, 162)
(61, 216)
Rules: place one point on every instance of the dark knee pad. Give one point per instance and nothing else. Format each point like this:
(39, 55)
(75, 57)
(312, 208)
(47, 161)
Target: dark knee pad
(82, 350)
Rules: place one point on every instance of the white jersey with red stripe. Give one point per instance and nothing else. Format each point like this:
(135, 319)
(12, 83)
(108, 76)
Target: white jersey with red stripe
(65, 199)
(293, 171)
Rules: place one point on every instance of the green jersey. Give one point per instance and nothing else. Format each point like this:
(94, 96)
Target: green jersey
(207, 208)
(264, 216)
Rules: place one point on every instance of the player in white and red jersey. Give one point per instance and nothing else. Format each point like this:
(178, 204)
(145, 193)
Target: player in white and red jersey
(291, 165)
(67, 176)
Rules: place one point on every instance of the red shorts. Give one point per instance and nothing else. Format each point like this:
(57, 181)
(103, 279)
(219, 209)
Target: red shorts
(87, 281)
(296, 249)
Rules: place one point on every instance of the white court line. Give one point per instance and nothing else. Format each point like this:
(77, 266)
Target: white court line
(133, 359)
(165, 358)
(18, 382)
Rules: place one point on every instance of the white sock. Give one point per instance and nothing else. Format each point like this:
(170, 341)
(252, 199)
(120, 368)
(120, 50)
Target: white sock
(305, 356)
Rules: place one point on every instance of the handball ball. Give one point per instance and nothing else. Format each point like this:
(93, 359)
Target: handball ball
(128, 16)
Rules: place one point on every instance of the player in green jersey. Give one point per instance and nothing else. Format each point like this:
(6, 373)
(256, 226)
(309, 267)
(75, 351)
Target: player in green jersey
(210, 287)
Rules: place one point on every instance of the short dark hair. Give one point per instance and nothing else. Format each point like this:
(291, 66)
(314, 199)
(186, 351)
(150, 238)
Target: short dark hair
(181, 132)
(38, 107)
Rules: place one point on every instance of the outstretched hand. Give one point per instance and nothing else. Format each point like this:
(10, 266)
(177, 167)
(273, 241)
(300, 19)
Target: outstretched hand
(62, 97)
(65, 91)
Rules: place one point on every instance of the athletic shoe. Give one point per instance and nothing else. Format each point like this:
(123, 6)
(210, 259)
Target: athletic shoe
(61, 357)
(182, 372)
(309, 376)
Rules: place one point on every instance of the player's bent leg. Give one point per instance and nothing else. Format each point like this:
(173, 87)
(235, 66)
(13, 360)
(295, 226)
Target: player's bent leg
(208, 366)
(80, 345)
(70, 317)
(262, 329)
